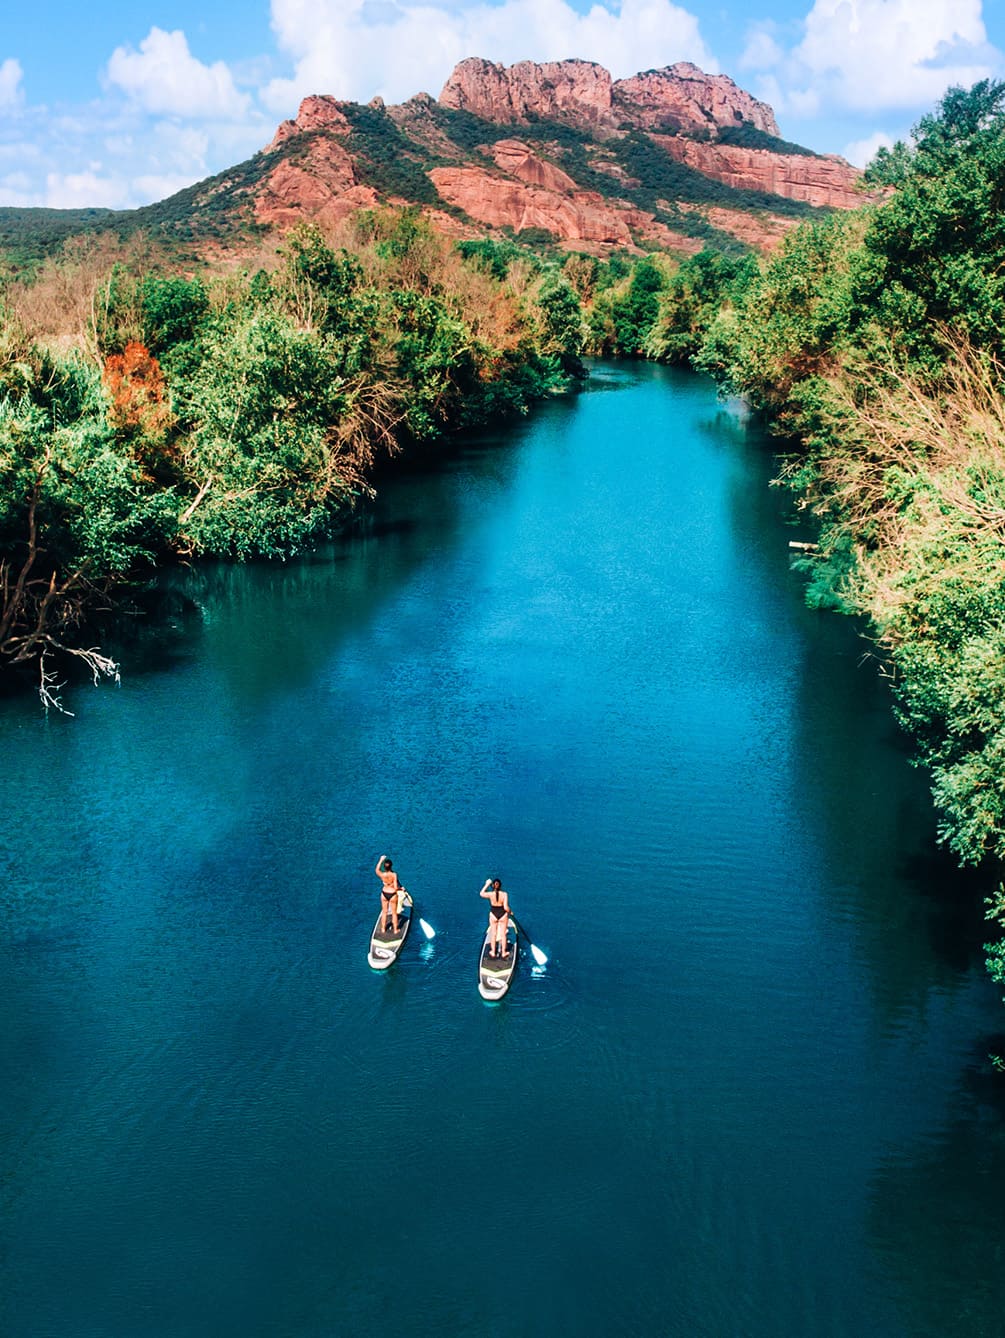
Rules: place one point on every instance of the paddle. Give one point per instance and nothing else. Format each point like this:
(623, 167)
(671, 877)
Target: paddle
(424, 925)
(539, 957)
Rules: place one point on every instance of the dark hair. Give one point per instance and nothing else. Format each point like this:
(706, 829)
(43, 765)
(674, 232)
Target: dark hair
(386, 864)
(497, 880)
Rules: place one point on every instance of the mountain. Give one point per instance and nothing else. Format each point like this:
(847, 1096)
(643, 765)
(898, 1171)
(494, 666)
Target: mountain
(558, 153)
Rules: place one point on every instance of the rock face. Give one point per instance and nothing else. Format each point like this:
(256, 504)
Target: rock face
(518, 160)
(826, 182)
(684, 97)
(330, 160)
(321, 183)
(581, 218)
(564, 90)
(316, 113)
(680, 97)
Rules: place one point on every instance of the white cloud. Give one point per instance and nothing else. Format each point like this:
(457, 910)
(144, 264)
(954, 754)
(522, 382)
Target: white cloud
(862, 151)
(165, 78)
(17, 191)
(880, 55)
(354, 49)
(762, 51)
(85, 190)
(154, 187)
(11, 92)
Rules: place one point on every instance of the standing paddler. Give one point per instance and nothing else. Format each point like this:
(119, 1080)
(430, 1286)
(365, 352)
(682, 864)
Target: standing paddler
(499, 913)
(391, 893)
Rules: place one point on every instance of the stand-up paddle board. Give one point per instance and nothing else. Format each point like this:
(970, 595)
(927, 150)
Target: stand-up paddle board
(495, 973)
(384, 947)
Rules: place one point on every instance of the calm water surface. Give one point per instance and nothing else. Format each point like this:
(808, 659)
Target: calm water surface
(748, 1096)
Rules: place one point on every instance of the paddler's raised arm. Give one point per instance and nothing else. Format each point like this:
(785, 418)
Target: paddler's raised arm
(380, 865)
(485, 890)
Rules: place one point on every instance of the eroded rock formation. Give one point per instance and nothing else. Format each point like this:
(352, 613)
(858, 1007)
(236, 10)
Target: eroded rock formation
(517, 183)
(680, 97)
(826, 182)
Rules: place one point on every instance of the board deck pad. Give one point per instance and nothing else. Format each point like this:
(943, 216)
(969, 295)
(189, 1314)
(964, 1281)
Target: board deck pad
(386, 944)
(495, 973)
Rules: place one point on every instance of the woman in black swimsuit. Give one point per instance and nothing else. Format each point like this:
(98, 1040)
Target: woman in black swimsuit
(498, 916)
(389, 893)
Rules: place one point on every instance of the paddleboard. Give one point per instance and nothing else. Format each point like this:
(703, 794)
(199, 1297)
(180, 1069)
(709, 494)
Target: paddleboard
(384, 947)
(495, 973)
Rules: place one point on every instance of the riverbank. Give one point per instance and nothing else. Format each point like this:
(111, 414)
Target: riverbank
(242, 416)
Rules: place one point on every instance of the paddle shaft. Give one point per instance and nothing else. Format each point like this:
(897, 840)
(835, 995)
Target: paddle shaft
(424, 925)
(536, 952)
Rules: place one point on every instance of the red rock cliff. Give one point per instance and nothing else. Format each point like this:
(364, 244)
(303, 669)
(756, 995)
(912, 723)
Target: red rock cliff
(828, 182)
(578, 91)
(563, 90)
(688, 99)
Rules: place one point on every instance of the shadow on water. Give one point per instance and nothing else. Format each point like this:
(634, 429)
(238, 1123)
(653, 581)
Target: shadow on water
(269, 626)
(852, 776)
(936, 1214)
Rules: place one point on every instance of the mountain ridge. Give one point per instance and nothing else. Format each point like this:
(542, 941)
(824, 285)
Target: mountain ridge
(554, 152)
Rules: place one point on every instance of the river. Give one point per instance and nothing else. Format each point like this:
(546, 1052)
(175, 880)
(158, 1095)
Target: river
(748, 1095)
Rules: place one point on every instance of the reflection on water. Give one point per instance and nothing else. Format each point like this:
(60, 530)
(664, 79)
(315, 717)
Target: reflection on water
(752, 1076)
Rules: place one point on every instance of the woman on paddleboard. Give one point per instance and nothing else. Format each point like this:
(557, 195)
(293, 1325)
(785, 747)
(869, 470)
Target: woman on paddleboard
(498, 916)
(389, 893)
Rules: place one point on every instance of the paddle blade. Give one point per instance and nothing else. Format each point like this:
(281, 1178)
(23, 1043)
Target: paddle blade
(427, 928)
(540, 957)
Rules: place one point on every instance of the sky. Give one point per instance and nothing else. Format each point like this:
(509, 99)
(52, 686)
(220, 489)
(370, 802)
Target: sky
(115, 105)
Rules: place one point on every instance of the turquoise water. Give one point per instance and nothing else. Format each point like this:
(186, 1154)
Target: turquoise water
(748, 1095)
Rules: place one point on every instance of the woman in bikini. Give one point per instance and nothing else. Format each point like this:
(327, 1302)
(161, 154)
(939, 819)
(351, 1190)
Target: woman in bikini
(389, 893)
(498, 916)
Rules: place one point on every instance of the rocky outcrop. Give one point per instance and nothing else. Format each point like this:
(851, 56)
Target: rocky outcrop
(829, 182)
(763, 232)
(322, 182)
(680, 97)
(316, 113)
(515, 183)
(518, 160)
(583, 219)
(576, 91)
(683, 97)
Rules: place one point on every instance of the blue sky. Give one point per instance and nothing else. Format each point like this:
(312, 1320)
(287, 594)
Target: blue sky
(114, 105)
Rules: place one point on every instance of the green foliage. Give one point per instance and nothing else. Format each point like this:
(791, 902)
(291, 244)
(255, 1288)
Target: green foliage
(623, 315)
(258, 406)
(561, 323)
(495, 256)
(433, 356)
(665, 178)
(939, 243)
(795, 317)
(77, 515)
(467, 131)
(692, 298)
(996, 950)
(747, 136)
(537, 237)
(172, 310)
(385, 159)
(875, 341)
(29, 235)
